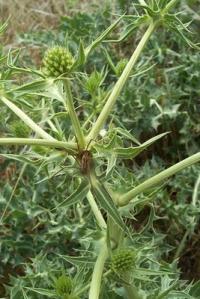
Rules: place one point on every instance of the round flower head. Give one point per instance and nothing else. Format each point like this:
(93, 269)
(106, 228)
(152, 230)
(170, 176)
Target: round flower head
(57, 61)
(123, 261)
(63, 285)
(19, 129)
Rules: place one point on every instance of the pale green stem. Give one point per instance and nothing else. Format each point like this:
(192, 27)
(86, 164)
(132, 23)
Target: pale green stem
(120, 84)
(195, 192)
(73, 116)
(87, 286)
(26, 119)
(157, 179)
(96, 211)
(132, 292)
(69, 147)
(95, 285)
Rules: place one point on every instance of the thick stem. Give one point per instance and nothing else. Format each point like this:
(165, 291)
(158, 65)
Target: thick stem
(120, 84)
(157, 179)
(69, 147)
(73, 116)
(26, 119)
(132, 292)
(95, 285)
(96, 211)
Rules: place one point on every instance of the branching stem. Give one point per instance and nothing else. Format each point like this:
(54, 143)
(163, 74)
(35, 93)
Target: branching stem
(96, 211)
(120, 84)
(158, 178)
(95, 285)
(69, 147)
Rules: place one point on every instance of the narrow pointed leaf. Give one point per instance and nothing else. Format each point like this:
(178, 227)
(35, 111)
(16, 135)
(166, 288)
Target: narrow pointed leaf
(80, 260)
(132, 152)
(48, 293)
(105, 201)
(80, 60)
(102, 36)
(32, 86)
(76, 196)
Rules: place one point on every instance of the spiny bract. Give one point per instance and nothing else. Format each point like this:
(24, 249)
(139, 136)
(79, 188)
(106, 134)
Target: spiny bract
(57, 61)
(123, 261)
(63, 285)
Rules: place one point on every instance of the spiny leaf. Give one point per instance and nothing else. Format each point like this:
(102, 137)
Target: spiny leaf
(76, 196)
(132, 152)
(102, 36)
(48, 293)
(89, 261)
(105, 201)
(80, 59)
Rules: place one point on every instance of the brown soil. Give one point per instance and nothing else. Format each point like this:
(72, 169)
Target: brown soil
(189, 262)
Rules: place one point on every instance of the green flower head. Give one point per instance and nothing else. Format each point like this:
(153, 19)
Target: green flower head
(63, 285)
(19, 129)
(123, 261)
(57, 61)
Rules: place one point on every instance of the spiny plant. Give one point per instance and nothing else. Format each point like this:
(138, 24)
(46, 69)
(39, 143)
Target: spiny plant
(92, 150)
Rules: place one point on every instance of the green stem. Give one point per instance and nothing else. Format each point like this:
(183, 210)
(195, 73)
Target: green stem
(26, 119)
(73, 116)
(120, 84)
(87, 286)
(69, 147)
(157, 179)
(132, 292)
(95, 285)
(96, 211)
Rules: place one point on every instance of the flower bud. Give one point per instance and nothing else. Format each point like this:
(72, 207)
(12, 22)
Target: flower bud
(57, 61)
(19, 129)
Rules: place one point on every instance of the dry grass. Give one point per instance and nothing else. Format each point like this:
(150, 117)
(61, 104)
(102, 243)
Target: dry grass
(36, 15)
(26, 15)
